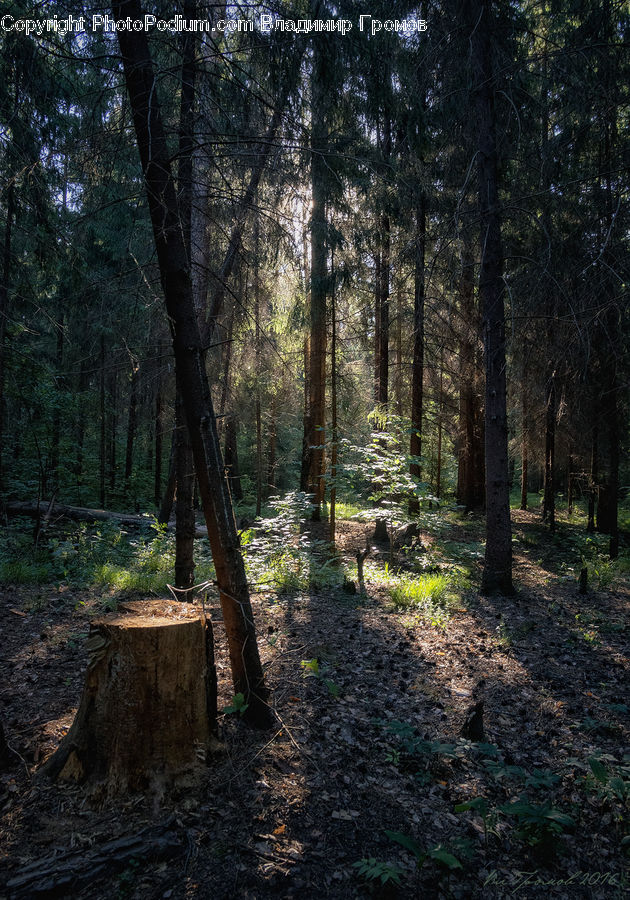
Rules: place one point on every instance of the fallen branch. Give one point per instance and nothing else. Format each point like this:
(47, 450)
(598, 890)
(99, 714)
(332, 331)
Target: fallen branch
(67, 873)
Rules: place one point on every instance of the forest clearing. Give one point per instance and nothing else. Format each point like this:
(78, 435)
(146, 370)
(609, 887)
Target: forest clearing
(314, 482)
(371, 694)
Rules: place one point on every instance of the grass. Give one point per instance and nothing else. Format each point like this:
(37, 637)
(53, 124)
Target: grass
(431, 596)
(96, 555)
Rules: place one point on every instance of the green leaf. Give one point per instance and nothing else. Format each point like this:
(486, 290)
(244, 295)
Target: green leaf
(408, 843)
(443, 856)
(599, 770)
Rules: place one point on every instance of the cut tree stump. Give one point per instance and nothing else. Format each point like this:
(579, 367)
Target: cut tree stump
(148, 709)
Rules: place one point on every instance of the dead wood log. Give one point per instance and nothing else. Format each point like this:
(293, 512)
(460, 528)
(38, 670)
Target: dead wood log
(65, 874)
(148, 710)
(33, 509)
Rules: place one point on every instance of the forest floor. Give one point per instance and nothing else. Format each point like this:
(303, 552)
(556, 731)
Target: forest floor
(371, 702)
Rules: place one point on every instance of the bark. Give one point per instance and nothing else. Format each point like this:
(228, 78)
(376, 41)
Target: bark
(382, 335)
(113, 428)
(148, 709)
(132, 421)
(524, 443)
(333, 404)
(417, 366)
(440, 424)
(471, 464)
(271, 460)
(497, 573)
(4, 308)
(231, 457)
(189, 356)
(317, 360)
(592, 495)
(80, 426)
(607, 508)
(184, 506)
(257, 372)
(168, 497)
(66, 874)
(549, 496)
(185, 477)
(56, 424)
(159, 424)
(103, 426)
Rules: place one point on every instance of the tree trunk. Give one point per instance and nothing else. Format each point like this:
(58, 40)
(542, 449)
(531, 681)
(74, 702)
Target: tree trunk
(271, 460)
(524, 443)
(231, 457)
(471, 465)
(189, 356)
(4, 307)
(592, 494)
(333, 404)
(168, 497)
(497, 573)
(56, 423)
(103, 426)
(317, 362)
(184, 507)
(148, 709)
(132, 421)
(549, 495)
(440, 424)
(417, 366)
(257, 373)
(159, 425)
(113, 428)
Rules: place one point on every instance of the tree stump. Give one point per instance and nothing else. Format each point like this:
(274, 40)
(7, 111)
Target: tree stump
(148, 709)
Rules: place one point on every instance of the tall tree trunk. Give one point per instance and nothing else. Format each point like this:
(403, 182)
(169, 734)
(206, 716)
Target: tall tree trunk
(497, 573)
(524, 442)
(113, 427)
(440, 423)
(333, 404)
(132, 421)
(273, 437)
(79, 435)
(231, 457)
(317, 361)
(4, 307)
(159, 425)
(103, 427)
(470, 463)
(168, 497)
(189, 356)
(257, 373)
(399, 349)
(56, 424)
(184, 506)
(417, 365)
(549, 495)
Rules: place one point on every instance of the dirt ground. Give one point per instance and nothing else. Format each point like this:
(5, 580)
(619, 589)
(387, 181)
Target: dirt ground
(287, 813)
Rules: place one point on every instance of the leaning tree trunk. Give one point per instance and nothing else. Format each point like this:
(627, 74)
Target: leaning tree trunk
(189, 358)
(497, 573)
(148, 709)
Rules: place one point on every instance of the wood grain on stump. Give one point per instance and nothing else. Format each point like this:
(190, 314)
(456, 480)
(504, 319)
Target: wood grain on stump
(148, 709)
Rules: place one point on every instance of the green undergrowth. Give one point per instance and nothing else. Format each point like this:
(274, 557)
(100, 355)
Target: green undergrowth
(101, 554)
